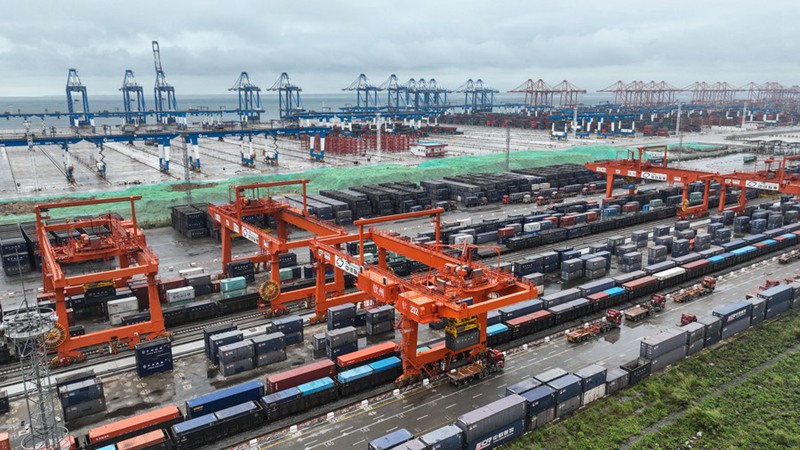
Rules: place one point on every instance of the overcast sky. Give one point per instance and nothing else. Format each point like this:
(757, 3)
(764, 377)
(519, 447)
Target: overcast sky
(324, 45)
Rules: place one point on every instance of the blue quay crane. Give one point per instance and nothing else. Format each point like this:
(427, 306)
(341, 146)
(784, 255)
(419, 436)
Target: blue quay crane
(133, 94)
(163, 91)
(477, 96)
(366, 94)
(76, 93)
(289, 101)
(249, 98)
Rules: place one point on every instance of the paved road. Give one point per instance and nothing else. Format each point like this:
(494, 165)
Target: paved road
(428, 408)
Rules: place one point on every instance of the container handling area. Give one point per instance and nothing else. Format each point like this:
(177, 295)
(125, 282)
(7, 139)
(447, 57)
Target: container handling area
(453, 312)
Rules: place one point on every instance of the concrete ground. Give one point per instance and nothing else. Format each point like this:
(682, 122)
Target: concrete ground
(41, 171)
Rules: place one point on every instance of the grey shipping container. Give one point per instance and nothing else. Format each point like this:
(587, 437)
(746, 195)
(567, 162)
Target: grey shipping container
(694, 332)
(759, 310)
(523, 386)
(668, 358)
(499, 413)
(462, 340)
(591, 376)
(84, 409)
(80, 392)
(337, 338)
(448, 437)
(379, 327)
(654, 346)
(319, 341)
(235, 352)
(264, 359)
(695, 347)
(346, 311)
(568, 405)
(737, 326)
(519, 309)
(235, 367)
(616, 380)
(268, 342)
(557, 298)
(713, 326)
(777, 308)
(550, 375)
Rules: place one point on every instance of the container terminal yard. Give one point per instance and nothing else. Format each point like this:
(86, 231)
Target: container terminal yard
(449, 312)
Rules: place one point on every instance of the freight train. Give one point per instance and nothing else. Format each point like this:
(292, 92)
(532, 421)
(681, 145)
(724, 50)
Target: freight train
(233, 410)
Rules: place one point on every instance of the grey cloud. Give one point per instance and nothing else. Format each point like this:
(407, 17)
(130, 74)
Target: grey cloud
(324, 45)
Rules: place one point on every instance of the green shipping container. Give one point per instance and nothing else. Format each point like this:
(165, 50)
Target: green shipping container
(233, 284)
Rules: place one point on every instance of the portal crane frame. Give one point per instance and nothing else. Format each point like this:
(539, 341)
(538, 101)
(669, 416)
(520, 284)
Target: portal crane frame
(125, 242)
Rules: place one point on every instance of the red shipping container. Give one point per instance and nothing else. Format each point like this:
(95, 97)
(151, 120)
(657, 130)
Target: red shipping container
(506, 232)
(142, 442)
(779, 238)
(522, 320)
(5, 441)
(553, 220)
(385, 349)
(591, 216)
(696, 264)
(594, 298)
(567, 221)
(639, 283)
(304, 374)
(131, 424)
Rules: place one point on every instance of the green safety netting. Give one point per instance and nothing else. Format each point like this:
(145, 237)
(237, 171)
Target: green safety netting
(154, 208)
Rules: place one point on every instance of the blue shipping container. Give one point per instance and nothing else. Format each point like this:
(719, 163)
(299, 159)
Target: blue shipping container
(615, 291)
(499, 436)
(391, 440)
(235, 411)
(540, 399)
(385, 364)
(315, 386)
(354, 374)
(496, 329)
(224, 398)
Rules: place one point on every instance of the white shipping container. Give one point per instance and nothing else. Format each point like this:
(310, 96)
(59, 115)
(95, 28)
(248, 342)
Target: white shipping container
(116, 319)
(670, 273)
(461, 238)
(122, 305)
(180, 294)
(594, 394)
(464, 222)
(532, 227)
(190, 272)
(544, 185)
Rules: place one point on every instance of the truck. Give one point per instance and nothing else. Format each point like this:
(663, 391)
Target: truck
(770, 283)
(705, 287)
(490, 362)
(656, 303)
(544, 200)
(517, 197)
(612, 320)
(787, 258)
(687, 318)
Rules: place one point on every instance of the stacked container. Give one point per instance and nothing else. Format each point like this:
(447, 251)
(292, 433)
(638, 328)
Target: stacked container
(666, 241)
(593, 383)
(680, 247)
(759, 310)
(291, 327)
(735, 317)
(595, 268)
(541, 406)
(779, 299)
(233, 287)
(153, 357)
(567, 394)
(616, 380)
(213, 330)
(244, 268)
(116, 308)
(713, 326)
(494, 424)
(639, 238)
(82, 398)
(702, 242)
(236, 357)
(664, 348)
(722, 235)
(14, 250)
(656, 254)
(341, 316)
(380, 320)
(217, 341)
(572, 269)
(630, 262)
(341, 342)
(695, 337)
(448, 437)
(269, 348)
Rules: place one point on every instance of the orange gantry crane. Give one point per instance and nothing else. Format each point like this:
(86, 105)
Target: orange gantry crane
(455, 289)
(122, 240)
(255, 199)
(776, 176)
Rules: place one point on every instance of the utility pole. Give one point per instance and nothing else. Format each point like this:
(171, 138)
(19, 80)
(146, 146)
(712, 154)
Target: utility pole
(680, 133)
(575, 122)
(508, 147)
(378, 140)
(187, 173)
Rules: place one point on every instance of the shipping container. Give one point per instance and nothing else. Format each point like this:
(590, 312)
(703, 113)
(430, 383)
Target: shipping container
(154, 440)
(391, 440)
(523, 386)
(224, 398)
(448, 437)
(142, 423)
(485, 420)
(366, 355)
(654, 346)
(591, 376)
(566, 387)
(303, 374)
